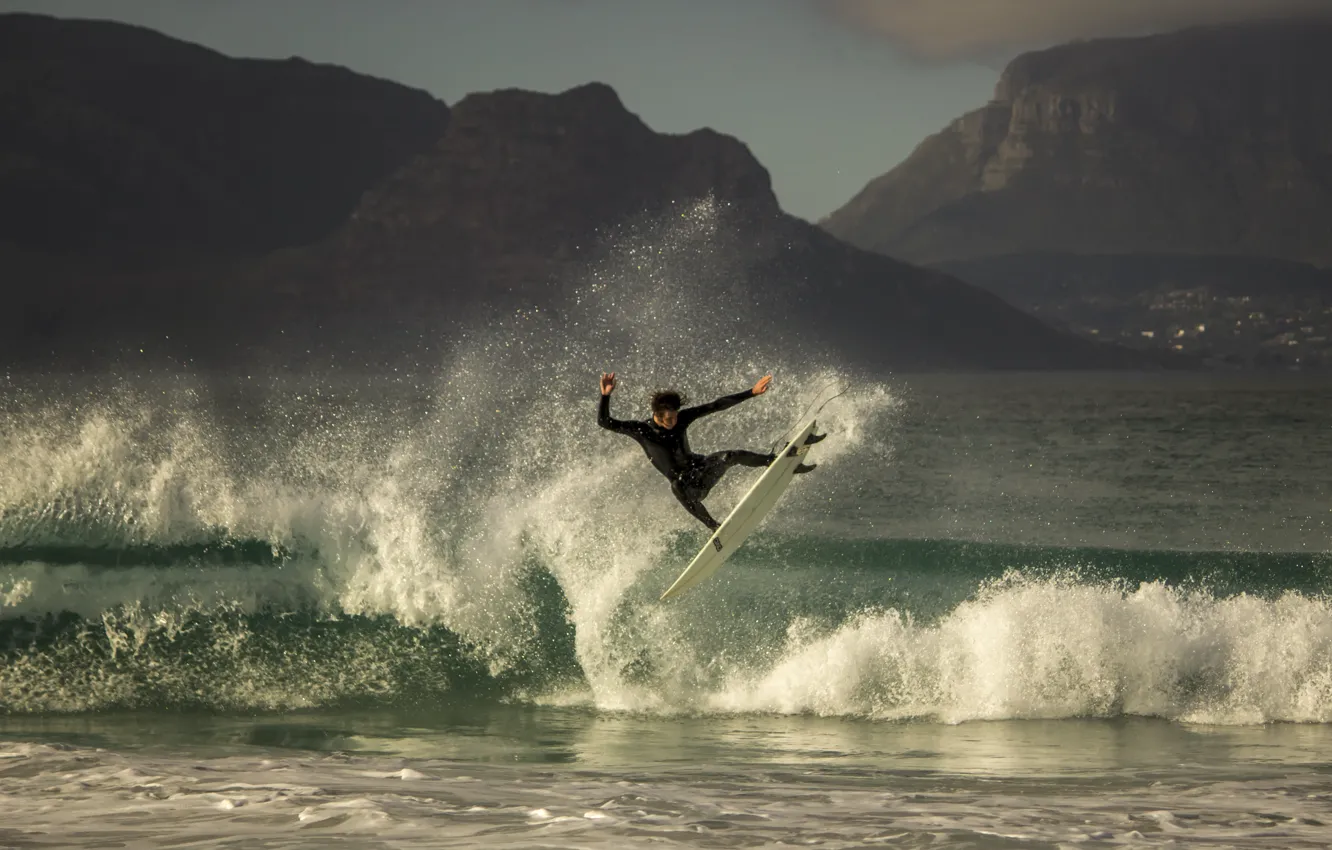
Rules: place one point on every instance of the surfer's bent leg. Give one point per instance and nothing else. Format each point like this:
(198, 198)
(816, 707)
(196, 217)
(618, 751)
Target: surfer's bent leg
(691, 498)
(694, 485)
(740, 457)
(714, 466)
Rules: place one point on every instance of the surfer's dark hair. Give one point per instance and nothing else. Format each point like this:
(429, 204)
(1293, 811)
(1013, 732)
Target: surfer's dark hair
(666, 400)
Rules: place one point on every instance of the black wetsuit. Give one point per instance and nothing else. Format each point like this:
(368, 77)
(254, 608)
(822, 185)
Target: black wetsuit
(691, 475)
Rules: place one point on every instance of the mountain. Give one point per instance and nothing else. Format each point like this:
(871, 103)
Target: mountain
(130, 147)
(527, 193)
(1137, 190)
(510, 200)
(1213, 141)
(520, 185)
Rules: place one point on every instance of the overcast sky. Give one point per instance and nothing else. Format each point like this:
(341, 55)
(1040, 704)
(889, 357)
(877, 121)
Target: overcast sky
(827, 93)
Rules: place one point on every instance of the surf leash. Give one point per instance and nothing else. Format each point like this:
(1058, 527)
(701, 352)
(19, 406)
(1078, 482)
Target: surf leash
(808, 413)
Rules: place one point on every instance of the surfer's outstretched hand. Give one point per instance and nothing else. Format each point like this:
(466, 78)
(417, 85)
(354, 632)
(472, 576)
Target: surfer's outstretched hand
(762, 386)
(607, 383)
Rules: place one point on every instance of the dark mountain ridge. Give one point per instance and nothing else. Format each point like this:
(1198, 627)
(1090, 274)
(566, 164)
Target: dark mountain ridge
(125, 145)
(1215, 140)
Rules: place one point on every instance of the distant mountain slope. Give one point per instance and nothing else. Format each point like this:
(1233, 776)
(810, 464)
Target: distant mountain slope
(526, 191)
(1210, 141)
(122, 143)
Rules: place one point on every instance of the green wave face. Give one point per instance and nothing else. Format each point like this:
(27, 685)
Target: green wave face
(894, 628)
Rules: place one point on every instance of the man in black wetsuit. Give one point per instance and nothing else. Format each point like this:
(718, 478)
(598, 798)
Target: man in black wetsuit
(663, 437)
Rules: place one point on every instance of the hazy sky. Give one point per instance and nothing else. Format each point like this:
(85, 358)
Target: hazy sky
(826, 93)
(954, 29)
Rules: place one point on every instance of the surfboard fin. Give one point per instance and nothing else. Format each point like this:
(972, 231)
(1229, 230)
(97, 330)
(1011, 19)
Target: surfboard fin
(815, 438)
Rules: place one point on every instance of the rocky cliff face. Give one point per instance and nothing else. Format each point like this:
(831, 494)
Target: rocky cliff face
(526, 181)
(1208, 141)
(125, 145)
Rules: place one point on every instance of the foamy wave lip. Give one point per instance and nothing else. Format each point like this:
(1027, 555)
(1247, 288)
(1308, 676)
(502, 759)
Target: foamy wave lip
(14, 590)
(1056, 648)
(35, 589)
(115, 478)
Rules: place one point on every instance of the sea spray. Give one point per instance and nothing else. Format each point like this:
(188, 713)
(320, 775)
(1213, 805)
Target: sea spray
(167, 537)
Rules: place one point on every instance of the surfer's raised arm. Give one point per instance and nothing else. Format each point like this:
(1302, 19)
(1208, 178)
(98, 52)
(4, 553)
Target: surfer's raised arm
(689, 414)
(603, 410)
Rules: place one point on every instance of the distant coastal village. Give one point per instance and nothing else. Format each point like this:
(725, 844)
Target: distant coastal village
(1285, 331)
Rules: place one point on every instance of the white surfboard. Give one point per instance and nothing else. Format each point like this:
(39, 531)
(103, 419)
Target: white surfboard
(747, 514)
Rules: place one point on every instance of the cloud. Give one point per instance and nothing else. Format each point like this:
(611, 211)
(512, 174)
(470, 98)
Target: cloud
(983, 29)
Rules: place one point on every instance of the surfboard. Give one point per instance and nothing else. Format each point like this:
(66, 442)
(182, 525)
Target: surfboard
(746, 516)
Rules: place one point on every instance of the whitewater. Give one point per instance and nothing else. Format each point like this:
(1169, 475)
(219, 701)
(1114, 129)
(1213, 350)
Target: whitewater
(401, 608)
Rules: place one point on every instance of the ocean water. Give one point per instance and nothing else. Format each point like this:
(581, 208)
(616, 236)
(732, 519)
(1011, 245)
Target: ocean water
(1015, 610)
(381, 609)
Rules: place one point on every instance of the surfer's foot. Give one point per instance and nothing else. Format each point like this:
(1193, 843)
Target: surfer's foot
(713, 526)
(815, 438)
(771, 458)
(802, 468)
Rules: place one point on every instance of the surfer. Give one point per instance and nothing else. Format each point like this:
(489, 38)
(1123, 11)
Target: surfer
(664, 439)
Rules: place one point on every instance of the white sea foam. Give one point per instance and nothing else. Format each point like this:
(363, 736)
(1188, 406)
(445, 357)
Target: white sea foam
(845, 783)
(1054, 648)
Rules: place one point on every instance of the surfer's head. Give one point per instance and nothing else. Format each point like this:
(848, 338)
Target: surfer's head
(666, 407)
